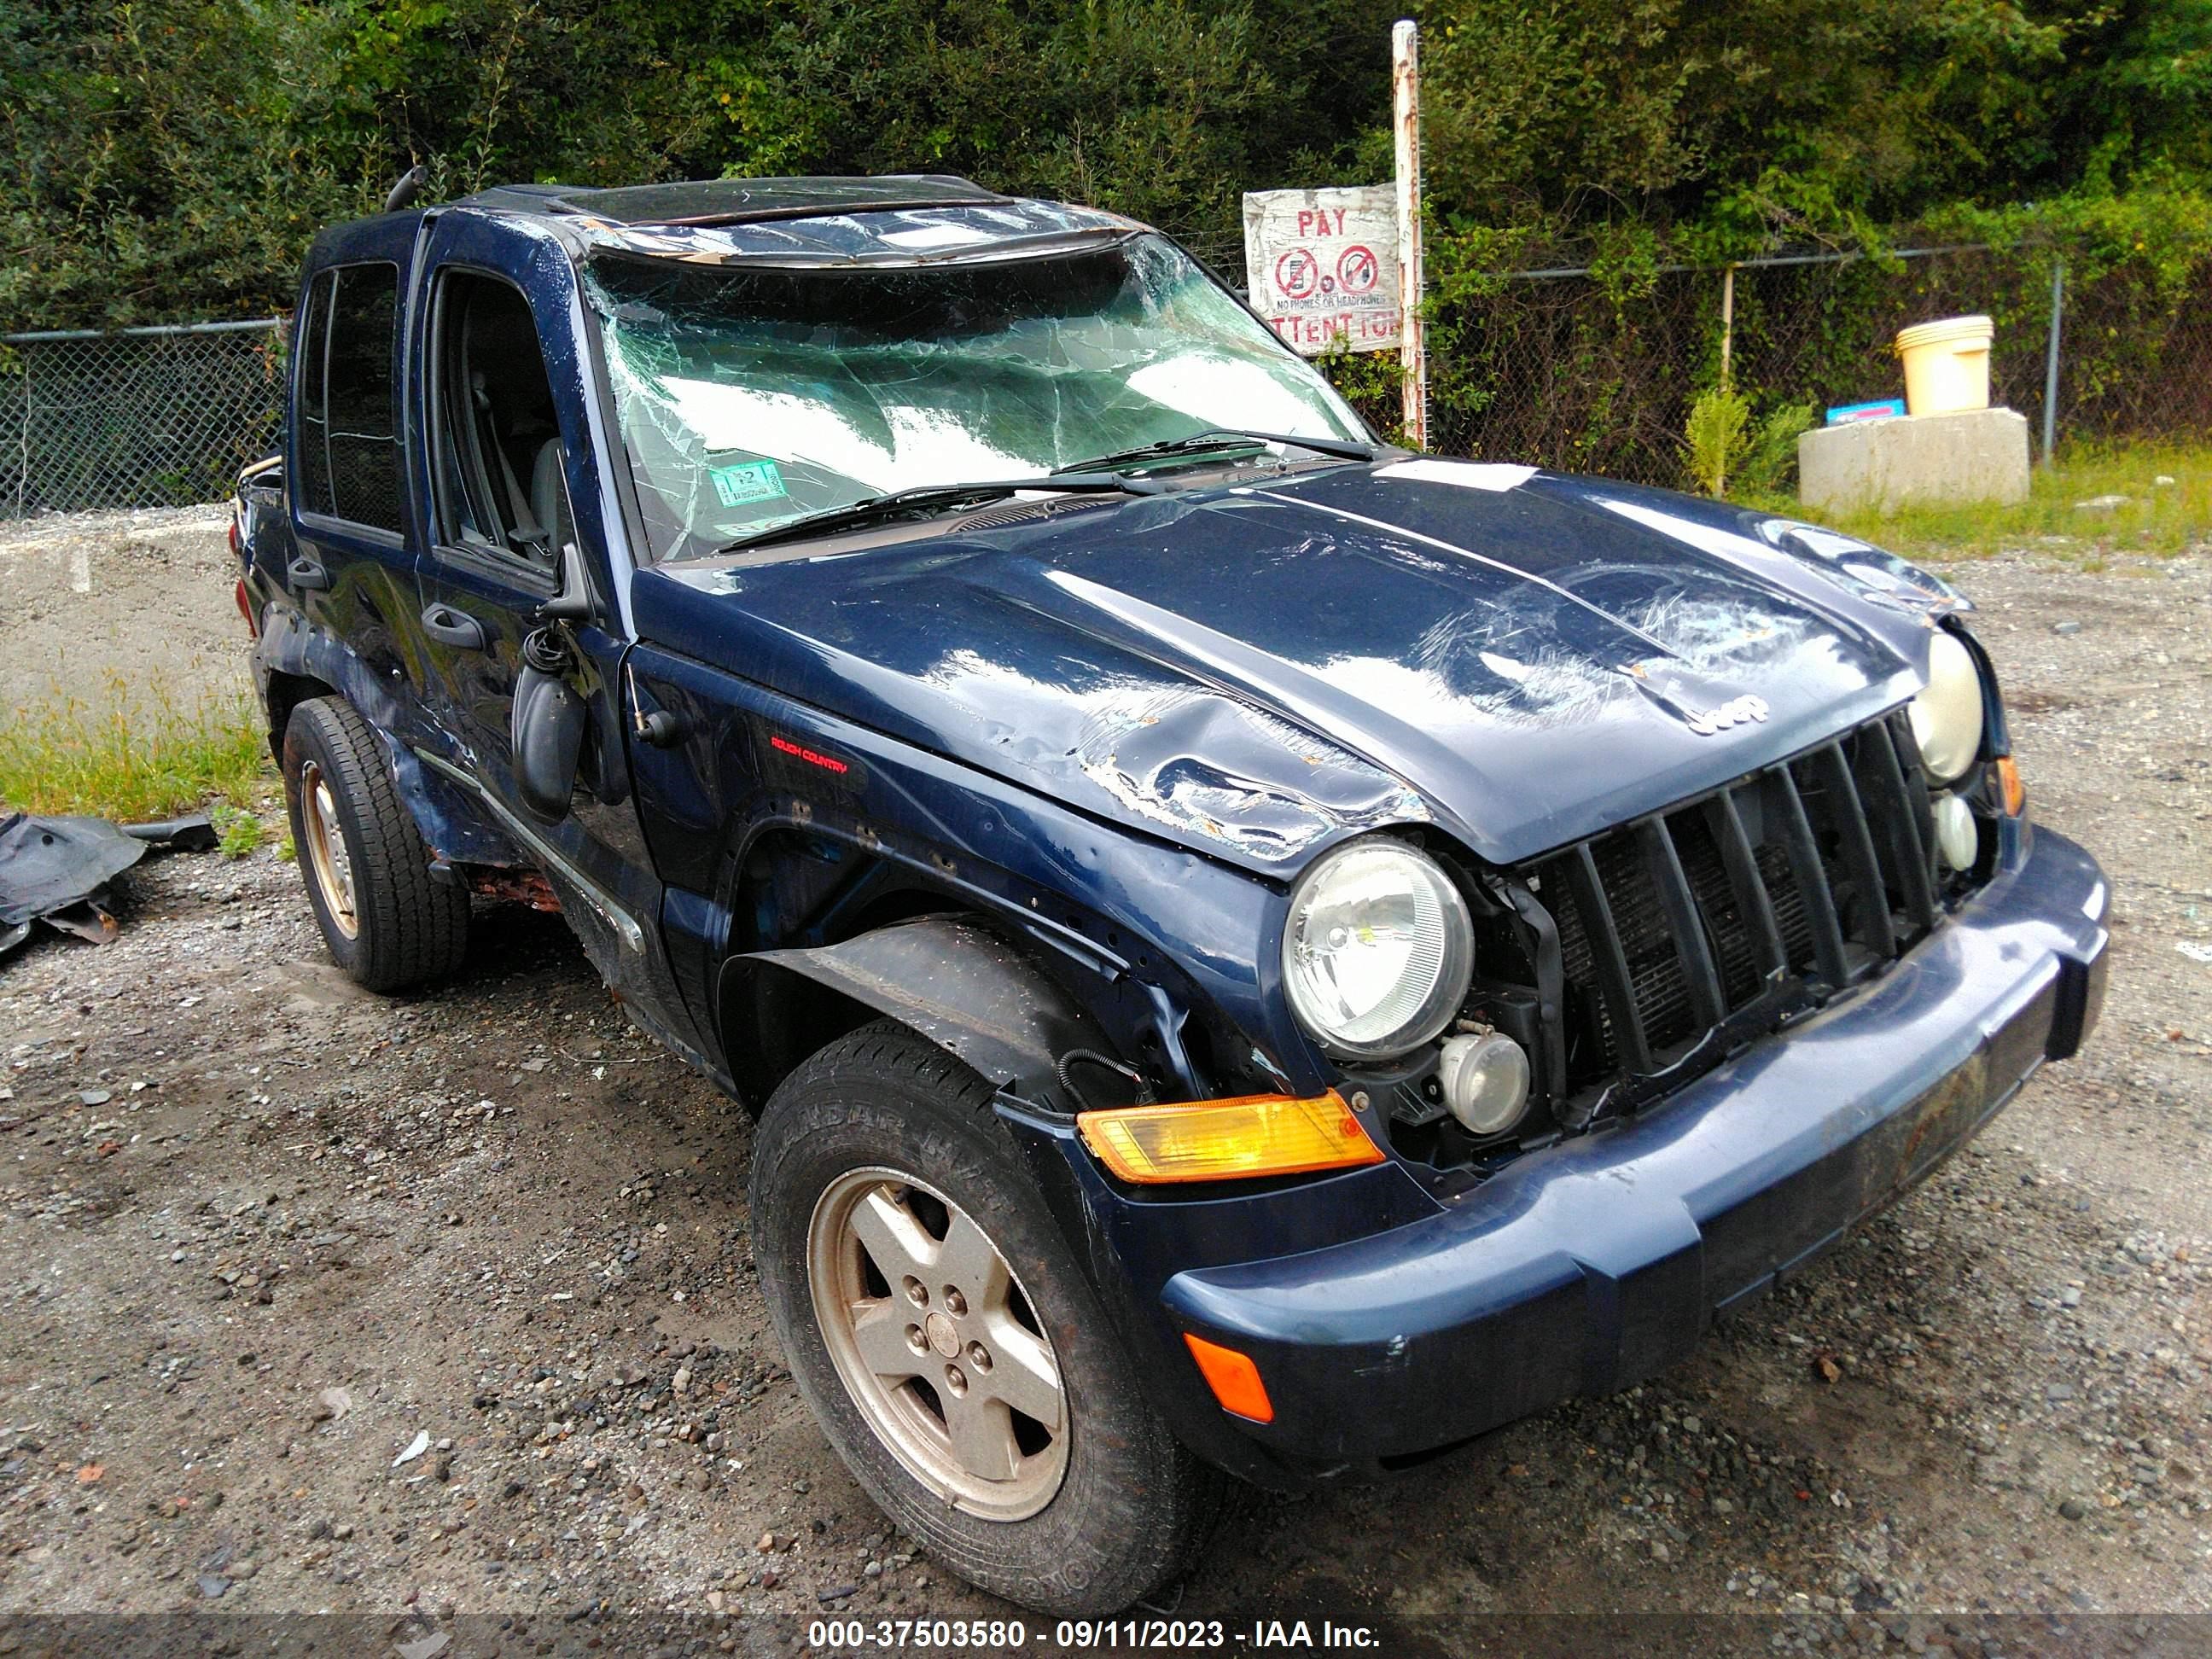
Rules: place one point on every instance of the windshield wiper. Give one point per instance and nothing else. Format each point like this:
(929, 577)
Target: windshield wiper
(932, 498)
(1225, 437)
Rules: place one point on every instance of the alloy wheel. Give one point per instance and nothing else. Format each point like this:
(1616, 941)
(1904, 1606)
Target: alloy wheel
(326, 850)
(937, 1343)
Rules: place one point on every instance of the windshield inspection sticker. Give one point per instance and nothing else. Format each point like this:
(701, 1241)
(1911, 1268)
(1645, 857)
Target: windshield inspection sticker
(755, 481)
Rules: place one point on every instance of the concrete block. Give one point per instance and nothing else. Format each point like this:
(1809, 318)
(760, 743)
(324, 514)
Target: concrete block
(1978, 455)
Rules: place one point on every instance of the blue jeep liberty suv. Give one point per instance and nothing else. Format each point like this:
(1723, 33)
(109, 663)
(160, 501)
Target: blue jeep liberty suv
(1255, 953)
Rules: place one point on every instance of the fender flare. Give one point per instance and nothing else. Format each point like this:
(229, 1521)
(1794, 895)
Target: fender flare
(954, 978)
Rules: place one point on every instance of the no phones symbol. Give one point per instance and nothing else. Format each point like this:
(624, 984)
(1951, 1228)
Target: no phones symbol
(1357, 269)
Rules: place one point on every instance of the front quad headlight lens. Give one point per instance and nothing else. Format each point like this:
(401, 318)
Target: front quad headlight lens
(1948, 715)
(1379, 950)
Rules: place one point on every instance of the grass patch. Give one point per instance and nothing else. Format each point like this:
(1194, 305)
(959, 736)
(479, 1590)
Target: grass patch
(138, 756)
(2155, 519)
(238, 831)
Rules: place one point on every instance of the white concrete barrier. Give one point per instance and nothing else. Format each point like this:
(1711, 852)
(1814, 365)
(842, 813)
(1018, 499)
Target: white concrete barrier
(1976, 455)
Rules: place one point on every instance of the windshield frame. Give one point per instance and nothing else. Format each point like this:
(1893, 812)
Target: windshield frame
(1014, 252)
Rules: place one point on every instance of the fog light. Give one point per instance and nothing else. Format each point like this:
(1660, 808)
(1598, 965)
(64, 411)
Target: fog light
(1485, 1082)
(1955, 838)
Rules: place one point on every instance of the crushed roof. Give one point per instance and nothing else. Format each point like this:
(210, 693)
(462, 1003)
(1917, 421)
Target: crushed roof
(888, 220)
(738, 201)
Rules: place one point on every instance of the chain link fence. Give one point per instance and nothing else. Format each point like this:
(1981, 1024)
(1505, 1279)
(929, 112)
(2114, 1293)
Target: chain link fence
(1562, 368)
(146, 417)
(1558, 366)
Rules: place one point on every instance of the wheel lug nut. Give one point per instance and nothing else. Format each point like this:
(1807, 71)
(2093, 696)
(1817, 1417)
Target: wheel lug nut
(956, 1379)
(955, 1303)
(979, 1356)
(916, 1292)
(915, 1339)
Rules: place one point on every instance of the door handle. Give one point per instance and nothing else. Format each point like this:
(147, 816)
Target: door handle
(305, 572)
(451, 627)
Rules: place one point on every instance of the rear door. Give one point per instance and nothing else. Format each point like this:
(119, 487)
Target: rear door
(350, 568)
(517, 575)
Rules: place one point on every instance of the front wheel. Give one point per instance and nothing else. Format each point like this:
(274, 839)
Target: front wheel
(947, 1342)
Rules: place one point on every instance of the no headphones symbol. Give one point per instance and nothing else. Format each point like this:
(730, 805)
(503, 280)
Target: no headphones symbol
(1357, 269)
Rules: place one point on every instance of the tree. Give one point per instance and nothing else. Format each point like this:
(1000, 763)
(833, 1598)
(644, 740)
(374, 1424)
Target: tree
(169, 159)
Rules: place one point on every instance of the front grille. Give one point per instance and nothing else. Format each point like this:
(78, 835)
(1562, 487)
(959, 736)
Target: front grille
(1684, 932)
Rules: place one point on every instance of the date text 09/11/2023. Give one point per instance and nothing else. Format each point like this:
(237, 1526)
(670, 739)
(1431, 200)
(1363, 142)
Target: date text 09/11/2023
(1083, 1635)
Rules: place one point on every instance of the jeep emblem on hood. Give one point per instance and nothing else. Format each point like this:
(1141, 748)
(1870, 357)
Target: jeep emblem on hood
(1728, 714)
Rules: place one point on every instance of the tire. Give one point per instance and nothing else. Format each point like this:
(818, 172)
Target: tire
(388, 922)
(1092, 1518)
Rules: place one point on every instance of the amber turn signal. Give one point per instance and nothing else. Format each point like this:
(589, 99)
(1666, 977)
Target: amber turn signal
(1234, 1379)
(1229, 1139)
(2015, 792)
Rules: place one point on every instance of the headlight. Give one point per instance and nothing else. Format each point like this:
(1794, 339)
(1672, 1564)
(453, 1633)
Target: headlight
(1378, 950)
(1948, 715)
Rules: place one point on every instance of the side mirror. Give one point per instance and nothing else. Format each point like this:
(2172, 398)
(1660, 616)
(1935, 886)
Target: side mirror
(546, 729)
(573, 602)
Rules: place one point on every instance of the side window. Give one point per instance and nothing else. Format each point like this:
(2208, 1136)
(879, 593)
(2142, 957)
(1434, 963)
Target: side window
(314, 482)
(495, 438)
(349, 424)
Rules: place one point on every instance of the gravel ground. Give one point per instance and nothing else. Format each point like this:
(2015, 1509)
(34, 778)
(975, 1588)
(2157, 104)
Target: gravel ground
(442, 1306)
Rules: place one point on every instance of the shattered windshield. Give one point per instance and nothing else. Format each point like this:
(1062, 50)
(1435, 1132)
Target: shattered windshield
(751, 396)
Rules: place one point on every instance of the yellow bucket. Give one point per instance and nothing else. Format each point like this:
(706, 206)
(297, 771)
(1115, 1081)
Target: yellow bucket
(1947, 365)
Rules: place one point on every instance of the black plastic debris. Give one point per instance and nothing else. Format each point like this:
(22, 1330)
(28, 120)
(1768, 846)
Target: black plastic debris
(57, 870)
(193, 834)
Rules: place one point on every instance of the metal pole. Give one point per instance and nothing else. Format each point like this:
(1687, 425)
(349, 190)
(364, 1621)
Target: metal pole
(56, 334)
(23, 459)
(1727, 321)
(2050, 360)
(1405, 99)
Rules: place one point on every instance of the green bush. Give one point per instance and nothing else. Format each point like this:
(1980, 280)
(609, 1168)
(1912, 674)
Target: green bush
(1713, 437)
(168, 160)
(1769, 465)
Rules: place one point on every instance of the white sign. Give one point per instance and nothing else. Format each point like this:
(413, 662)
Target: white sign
(1322, 265)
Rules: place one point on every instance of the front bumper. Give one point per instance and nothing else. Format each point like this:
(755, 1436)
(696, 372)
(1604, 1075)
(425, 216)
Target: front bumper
(1595, 1263)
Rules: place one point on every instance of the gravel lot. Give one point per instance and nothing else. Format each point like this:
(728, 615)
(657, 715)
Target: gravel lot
(99, 606)
(261, 1236)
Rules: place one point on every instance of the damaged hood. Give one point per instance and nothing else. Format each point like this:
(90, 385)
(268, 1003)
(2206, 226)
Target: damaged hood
(1257, 669)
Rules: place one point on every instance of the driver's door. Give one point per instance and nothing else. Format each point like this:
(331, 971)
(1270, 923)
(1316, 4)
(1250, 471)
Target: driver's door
(515, 586)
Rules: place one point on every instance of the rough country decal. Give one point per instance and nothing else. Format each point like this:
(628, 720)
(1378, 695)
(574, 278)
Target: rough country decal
(1729, 714)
